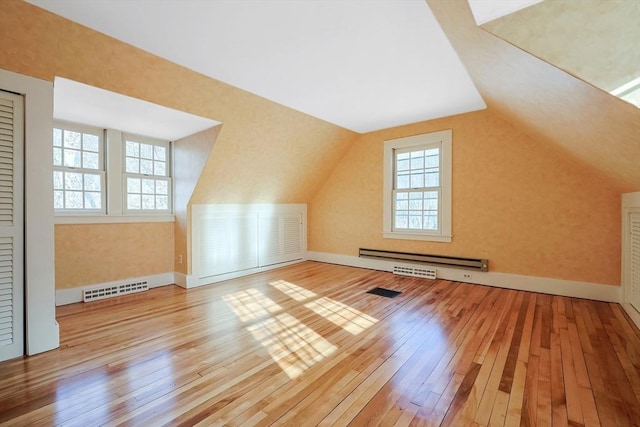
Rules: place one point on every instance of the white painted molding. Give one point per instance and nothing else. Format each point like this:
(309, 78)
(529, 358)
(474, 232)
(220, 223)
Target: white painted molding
(112, 219)
(632, 312)
(42, 331)
(180, 279)
(72, 295)
(569, 288)
(193, 281)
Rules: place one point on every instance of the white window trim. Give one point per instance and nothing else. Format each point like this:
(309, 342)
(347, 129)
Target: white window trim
(114, 193)
(442, 139)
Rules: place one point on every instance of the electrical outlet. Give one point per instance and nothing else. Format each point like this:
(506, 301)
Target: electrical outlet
(466, 276)
(180, 259)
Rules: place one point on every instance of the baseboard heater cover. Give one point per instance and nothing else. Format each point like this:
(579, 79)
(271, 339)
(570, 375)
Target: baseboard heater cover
(114, 291)
(439, 260)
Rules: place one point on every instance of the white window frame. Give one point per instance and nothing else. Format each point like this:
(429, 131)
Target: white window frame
(441, 140)
(84, 129)
(114, 190)
(167, 177)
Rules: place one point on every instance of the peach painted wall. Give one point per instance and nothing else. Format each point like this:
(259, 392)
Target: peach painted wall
(521, 203)
(264, 153)
(98, 253)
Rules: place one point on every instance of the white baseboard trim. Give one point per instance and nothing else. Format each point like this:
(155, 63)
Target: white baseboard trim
(180, 279)
(545, 285)
(632, 312)
(194, 281)
(72, 295)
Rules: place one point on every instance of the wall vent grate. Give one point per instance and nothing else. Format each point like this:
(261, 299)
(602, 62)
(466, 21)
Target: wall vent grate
(415, 271)
(114, 291)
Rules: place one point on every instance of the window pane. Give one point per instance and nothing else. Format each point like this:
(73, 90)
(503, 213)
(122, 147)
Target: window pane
(133, 185)
(73, 200)
(402, 205)
(433, 179)
(403, 182)
(403, 156)
(133, 201)
(417, 180)
(432, 161)
(90, 160)
(148, 186)
(90, 142)
(58, 183)
(416, 204)
(401, 221)
(57, 156)
(72, 139)
(159, 153)
(403, 165)
(92, 200)
(415, 222)
(58, 200)
(57, 137)
(146, 151)
(162, 202)
(132, 165)
(91, 182)
(146, 167)
(417, 163)
(159, 169)
(431, 222)
(132, 149)
(148, 202)
(73, 181)
(162, 187)
(72, 158)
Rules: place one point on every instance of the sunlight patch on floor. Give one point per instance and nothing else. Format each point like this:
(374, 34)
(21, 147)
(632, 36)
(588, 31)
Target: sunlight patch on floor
(347, 317)
(292, 344)
(295, 292)
(250, 304)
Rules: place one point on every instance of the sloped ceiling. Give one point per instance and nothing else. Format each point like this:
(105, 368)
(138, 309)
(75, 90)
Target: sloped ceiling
(587, 123)
(360, 64)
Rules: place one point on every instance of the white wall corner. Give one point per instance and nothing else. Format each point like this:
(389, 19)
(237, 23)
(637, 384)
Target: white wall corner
(73, 295)
(545, 285)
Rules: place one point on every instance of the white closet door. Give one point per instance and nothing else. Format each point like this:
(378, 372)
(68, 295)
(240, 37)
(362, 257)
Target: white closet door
(634, 259)
(11, 226)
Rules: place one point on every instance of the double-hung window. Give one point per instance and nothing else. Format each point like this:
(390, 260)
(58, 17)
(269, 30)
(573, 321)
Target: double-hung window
(417, 187)
(78, 169)
(107, 173)
(146, 175)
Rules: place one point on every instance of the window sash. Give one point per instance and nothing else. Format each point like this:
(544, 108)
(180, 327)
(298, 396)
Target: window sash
(416, 205)
(67, 192)
(143, 191)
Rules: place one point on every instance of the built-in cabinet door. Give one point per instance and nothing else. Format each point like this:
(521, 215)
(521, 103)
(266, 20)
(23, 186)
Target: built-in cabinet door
(11, 226)
(633, 253)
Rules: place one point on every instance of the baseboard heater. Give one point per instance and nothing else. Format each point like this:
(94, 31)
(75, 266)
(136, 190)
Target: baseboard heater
(442, 261)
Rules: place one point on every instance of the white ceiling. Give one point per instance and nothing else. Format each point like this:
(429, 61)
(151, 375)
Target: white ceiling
(80, 103)
(488, 10)
(361, 64)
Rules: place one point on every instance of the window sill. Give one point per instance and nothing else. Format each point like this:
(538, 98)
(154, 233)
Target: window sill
(111, 219)
(416, 236)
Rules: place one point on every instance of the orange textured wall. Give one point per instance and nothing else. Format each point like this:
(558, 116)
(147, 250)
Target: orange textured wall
(131, 250)
(521, 203)
(264, 153)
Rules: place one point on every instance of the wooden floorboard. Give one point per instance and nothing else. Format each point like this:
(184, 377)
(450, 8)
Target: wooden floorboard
(306, 345)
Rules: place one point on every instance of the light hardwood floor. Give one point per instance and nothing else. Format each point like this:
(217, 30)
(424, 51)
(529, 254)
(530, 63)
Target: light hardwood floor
(305, 345)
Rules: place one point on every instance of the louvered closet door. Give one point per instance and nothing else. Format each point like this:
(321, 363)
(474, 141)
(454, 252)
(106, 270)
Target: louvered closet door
(11, 226)
(634, 258)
